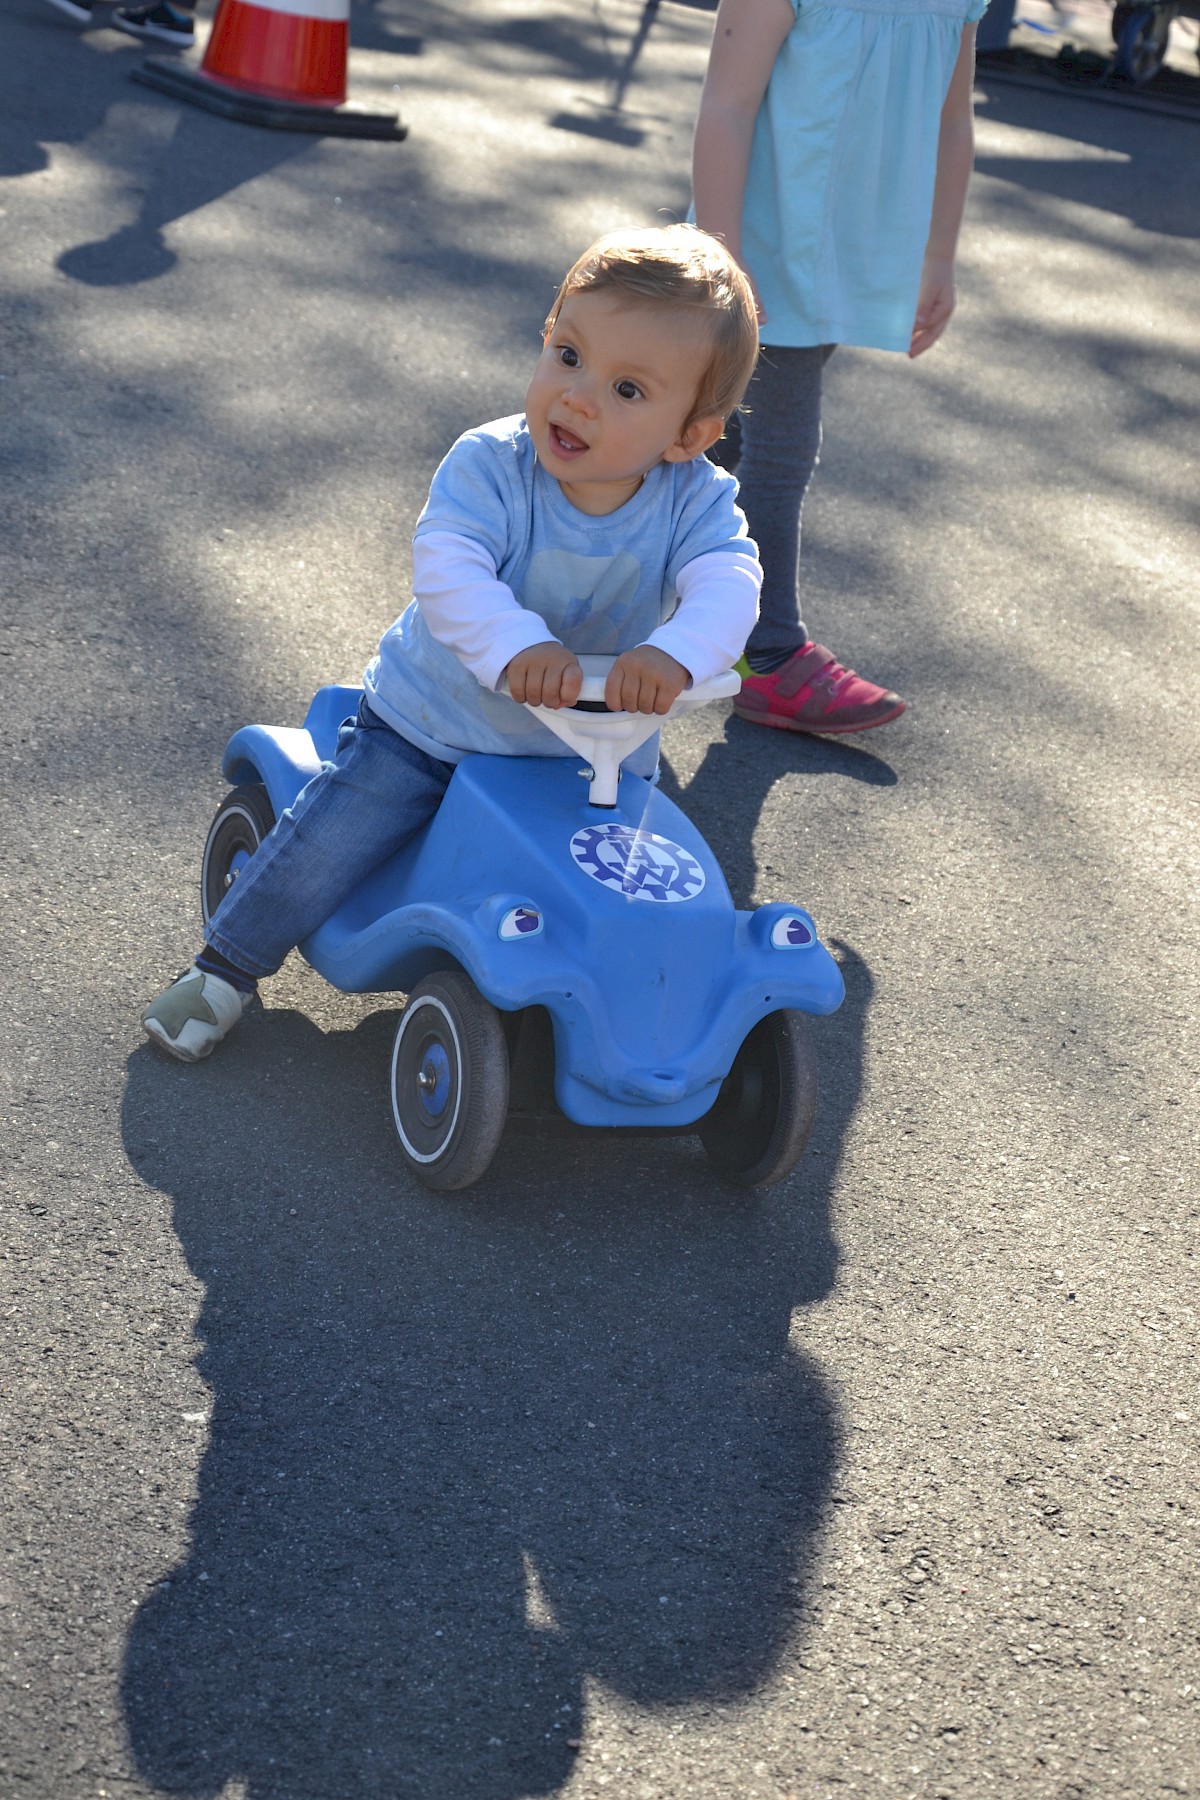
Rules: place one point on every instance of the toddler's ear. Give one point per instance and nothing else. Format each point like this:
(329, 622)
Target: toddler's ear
(696, 439)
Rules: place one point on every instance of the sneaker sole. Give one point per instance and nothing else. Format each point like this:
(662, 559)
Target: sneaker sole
(82, 15)
(161, 1041)
(779, 723)
(181, 40)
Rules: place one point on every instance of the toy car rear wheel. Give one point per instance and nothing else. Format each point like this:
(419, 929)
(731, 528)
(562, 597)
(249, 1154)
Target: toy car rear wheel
(449, 1081)
(760, 1122)
(242, 821)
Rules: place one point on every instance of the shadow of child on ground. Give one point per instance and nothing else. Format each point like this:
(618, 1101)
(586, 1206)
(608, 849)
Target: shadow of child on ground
(467, 1451)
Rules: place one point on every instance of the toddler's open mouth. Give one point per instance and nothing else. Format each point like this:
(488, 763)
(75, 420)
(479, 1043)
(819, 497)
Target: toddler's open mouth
(565, 442)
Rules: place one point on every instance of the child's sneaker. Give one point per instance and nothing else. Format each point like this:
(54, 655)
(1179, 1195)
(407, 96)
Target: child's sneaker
(812, 692)
(161, 21)
(194, 1014)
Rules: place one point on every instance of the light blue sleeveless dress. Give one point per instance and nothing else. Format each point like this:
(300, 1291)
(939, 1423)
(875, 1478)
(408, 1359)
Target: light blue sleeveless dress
(839, 192)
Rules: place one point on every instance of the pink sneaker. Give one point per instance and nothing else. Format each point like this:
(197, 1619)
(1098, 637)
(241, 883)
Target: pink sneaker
(812, 692)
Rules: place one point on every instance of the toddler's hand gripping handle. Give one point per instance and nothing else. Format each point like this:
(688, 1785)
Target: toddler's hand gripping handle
(607, 738)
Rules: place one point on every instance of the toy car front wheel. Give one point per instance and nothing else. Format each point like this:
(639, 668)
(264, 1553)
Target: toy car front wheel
(242, 821)
(449, 1081)
(760, 1122)
(1142, 41)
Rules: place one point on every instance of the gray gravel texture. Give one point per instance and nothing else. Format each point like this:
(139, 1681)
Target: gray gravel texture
(599, 1480)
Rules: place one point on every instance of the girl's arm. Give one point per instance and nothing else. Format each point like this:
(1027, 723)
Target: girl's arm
(746, 40)
(956, 154)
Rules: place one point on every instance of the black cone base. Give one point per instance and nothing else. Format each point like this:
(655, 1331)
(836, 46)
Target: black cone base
(183, 83)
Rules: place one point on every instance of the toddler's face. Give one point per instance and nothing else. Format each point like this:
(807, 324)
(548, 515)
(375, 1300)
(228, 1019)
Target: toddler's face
(612, 388)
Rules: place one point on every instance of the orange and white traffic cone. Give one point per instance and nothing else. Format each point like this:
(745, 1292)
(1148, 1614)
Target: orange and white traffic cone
(275, 62)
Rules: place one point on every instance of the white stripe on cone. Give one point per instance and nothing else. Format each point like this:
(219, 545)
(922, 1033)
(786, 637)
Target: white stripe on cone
(334, 10)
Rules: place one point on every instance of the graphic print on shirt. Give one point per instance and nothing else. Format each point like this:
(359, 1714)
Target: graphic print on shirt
(587, 601)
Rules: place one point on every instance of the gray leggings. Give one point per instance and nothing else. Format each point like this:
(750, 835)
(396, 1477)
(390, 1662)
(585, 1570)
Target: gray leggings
(773, 449)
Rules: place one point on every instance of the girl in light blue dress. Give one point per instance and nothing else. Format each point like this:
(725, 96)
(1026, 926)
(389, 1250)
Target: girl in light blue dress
(833, 150)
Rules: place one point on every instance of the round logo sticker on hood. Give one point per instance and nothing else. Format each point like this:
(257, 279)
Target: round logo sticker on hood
(638, 864)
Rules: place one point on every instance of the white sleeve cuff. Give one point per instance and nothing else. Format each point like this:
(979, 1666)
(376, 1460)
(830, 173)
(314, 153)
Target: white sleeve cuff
(718, 604)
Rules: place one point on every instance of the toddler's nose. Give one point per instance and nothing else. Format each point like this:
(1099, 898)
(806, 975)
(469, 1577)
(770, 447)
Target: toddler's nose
(579, 396)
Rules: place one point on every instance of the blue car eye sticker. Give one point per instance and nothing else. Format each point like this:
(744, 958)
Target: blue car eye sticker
(520, 922)
(792, 934)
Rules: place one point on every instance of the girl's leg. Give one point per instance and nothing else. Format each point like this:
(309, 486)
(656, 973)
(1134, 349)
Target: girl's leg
(794, 683)
(781, 442)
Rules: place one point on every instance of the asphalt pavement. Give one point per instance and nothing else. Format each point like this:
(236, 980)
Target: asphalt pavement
(601, 1479)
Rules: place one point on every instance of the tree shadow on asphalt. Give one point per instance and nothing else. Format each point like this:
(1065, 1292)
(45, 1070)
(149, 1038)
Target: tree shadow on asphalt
(598, 46)
(45, 111)
(192, 164)
(1156, 194)
(467, 1453)
(195, 167)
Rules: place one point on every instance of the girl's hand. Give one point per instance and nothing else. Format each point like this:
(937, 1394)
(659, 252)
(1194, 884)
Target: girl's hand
(546, 675)
(935, 303)
(644, 680)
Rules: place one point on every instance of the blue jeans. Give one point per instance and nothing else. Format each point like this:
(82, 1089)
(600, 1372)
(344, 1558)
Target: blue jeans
(378, 792)
(773, 449)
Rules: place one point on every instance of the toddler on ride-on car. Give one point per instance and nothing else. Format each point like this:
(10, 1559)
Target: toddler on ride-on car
(591, 524)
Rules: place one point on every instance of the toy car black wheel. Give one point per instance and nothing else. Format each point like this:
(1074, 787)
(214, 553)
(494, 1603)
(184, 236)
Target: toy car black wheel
(1142, 42)
(449, 1081)
(760, 1121)
(242, 821)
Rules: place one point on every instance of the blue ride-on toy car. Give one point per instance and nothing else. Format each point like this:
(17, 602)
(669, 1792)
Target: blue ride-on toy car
(564, 951)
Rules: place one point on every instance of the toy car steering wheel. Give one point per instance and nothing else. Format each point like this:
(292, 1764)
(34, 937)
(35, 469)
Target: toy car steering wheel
(606, 738)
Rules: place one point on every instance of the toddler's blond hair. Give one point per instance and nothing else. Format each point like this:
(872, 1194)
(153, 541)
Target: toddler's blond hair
(681, 266)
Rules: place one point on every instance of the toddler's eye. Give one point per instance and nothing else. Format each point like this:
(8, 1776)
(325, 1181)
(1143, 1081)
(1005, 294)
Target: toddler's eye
(567, 357)
(629, 390)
